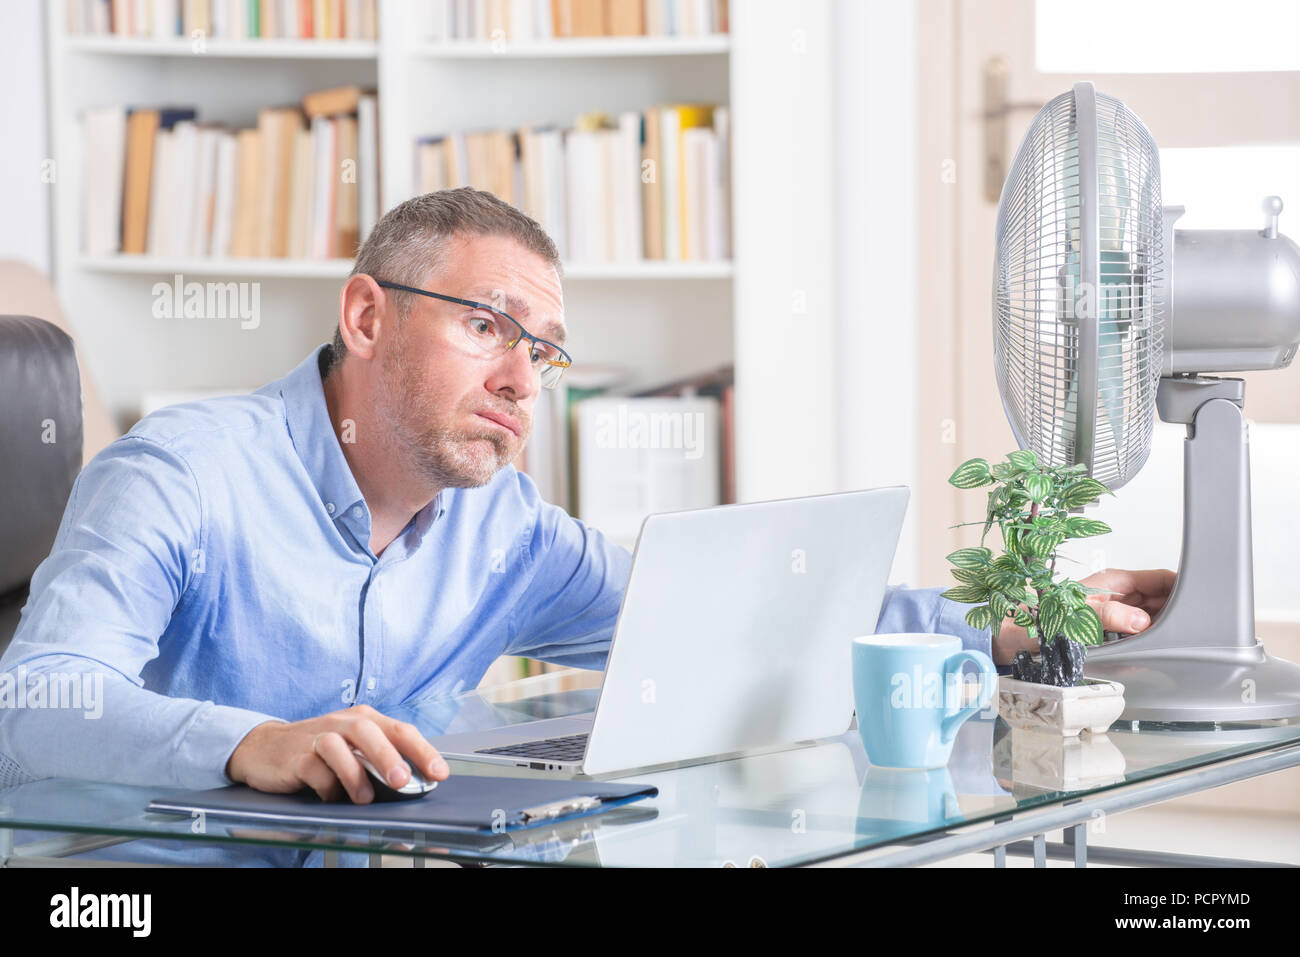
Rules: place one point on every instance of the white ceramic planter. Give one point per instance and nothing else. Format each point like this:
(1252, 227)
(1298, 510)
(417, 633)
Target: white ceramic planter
(1091, 707)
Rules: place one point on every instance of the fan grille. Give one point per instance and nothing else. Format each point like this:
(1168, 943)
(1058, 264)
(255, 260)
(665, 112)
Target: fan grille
(1038, 295)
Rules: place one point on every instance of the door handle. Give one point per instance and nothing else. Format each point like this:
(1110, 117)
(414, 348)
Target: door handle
(997, 106)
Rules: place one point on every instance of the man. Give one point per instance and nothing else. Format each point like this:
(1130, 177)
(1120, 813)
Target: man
(258, 578)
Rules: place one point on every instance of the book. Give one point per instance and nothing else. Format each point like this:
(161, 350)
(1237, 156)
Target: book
(638, 456)
(336, 100)
(247, 192)
(651, 188)
(345, 198)
(104, 144)
(141, 131)
(624, 18)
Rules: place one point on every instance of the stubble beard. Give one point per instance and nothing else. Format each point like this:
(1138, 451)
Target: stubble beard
(445, 456)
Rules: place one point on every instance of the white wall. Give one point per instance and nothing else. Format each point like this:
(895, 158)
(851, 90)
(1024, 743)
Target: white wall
(874, 249)
(25, 223)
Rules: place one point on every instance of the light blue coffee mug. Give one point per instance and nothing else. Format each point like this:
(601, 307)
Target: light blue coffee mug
(908, 689)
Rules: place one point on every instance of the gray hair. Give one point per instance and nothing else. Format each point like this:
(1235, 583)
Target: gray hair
(407, 245)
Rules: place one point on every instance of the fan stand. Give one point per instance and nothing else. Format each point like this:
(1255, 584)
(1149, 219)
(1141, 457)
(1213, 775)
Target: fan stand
(1200, 660)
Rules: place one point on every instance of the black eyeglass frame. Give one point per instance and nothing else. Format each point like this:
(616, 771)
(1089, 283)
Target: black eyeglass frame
(563, 364)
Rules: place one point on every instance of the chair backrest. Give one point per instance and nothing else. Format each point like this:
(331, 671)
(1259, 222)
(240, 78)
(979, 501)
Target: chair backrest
(26, 291)
(40, 447)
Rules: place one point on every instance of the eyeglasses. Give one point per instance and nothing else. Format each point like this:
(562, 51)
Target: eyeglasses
(493, 335)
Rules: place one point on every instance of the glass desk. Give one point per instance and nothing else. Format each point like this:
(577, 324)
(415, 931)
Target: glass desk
(819, 803)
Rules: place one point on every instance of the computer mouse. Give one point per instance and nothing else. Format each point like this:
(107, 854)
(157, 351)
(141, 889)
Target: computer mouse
(417, 787)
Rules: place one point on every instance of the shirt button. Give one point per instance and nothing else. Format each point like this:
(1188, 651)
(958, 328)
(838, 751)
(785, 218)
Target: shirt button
(356, 511)
(329, 507)
(370, 684)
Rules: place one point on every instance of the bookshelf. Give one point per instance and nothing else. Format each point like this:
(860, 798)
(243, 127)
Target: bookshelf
(662, 320)
(576, 47)
(237, 49)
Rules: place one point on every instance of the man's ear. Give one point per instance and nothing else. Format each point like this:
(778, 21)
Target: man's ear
(365, 312)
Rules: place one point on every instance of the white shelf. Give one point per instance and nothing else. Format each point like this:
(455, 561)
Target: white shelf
(134, 264)
(265, 267)
(268, 49)
(649, 269)
(577, 47)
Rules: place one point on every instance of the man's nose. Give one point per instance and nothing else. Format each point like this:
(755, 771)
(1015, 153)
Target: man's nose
(514, 370)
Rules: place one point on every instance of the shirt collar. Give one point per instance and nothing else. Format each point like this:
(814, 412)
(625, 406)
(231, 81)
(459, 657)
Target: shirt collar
(312, 433)
(313, 436)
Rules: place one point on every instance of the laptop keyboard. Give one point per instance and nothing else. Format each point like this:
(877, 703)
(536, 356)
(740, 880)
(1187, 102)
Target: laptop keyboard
(569, 747)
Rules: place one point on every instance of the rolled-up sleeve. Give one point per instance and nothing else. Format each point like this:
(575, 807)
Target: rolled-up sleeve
(126, 550)
(923, 610)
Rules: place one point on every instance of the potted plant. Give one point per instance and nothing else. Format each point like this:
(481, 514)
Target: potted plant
(1031, 504)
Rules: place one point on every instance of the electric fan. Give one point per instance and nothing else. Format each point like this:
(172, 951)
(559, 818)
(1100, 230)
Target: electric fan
(1104, 315)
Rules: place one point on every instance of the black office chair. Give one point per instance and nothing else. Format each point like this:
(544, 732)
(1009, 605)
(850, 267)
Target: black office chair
(40, 451)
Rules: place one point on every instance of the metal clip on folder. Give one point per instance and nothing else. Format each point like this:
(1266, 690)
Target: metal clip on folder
(547, 811)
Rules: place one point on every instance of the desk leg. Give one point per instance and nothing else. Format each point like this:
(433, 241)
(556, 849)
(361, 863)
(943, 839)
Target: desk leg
(376, 859)
(1000, 852)
(331, 858)
(6, 837)
(1040, 850)
(1077, 838)
(417, 839)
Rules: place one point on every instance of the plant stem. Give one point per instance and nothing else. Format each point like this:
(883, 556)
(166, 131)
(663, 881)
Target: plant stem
(1033, 514)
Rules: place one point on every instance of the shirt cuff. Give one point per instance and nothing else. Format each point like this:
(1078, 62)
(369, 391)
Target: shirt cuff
(212, 739)
(951, 620)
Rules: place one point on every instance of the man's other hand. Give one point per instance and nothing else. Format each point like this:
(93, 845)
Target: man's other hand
(1134, 599)
(317, 753)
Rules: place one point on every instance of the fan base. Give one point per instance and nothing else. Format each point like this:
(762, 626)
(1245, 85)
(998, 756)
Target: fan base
(1201, 684)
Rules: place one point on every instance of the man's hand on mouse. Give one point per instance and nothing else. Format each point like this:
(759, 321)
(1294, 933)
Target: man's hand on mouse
(1134, 599)
(317, 753)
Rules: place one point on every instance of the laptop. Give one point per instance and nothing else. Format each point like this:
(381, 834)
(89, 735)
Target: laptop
(734, 635)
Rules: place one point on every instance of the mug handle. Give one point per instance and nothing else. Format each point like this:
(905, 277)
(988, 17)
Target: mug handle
(988, 685)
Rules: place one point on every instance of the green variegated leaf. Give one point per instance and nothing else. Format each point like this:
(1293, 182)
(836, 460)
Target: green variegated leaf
(980, 617)
(970, 576)
(972, 473)
(1002, 579)
(1023, 459)
(1084, 626)
(1038, 487)
(971, 557)
(1080, 527)
(1082, 492)
(999, 605)
(1040, 546)
(1010, 540)
(1015, 593)
(1031, 598)
(1024, 619)
(967, 594)
(1051, 615)
(1008, 563)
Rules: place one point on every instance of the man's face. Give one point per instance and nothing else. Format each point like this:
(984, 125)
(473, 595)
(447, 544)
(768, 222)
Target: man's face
(438, 393)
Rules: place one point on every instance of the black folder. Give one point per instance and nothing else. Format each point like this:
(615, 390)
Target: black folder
(462, 803)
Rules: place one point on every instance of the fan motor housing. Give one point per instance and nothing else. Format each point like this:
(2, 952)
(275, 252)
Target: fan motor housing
(1234, 305)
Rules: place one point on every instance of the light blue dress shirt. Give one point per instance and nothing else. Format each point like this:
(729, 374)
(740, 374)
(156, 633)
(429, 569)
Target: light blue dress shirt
(213, 571)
